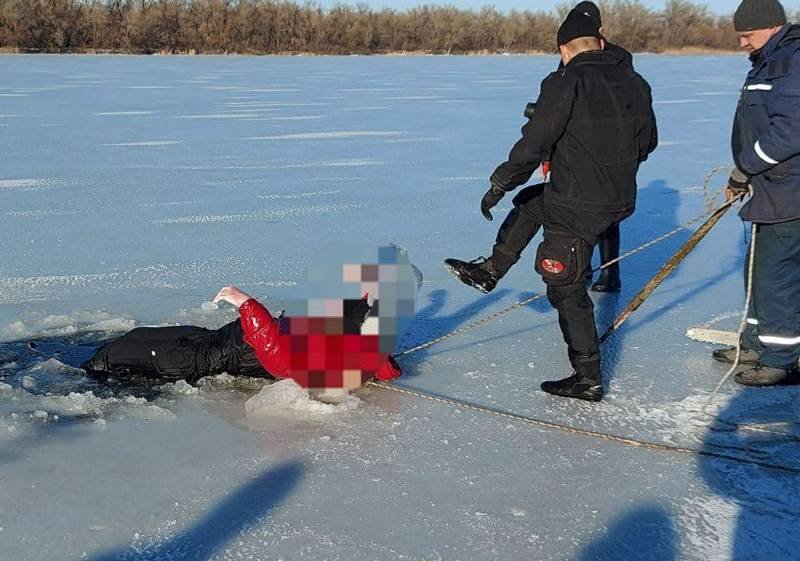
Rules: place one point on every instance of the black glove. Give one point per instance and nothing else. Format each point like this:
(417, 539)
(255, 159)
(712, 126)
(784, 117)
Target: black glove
(739, 183)
(490, 200)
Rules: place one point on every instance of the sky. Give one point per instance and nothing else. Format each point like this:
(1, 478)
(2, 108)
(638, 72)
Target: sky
(718, 6)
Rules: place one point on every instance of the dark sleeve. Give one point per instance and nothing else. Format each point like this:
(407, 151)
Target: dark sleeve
(653, 133)
(650, 142)
(540, 133)
(781, 140)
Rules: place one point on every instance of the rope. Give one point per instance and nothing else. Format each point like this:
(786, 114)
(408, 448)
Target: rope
(631, 442)
(742, 322)
(522, 303)
(708, 198)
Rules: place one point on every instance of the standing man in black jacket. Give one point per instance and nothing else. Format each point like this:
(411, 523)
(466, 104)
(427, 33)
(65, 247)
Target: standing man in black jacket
(594, 119)
(608, 241)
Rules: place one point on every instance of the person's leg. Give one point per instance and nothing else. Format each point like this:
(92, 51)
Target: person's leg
(518, 229)
(608, 242)
(749, 340)
(158, 352)
(514, 235)
(563, 260)
(776, 298)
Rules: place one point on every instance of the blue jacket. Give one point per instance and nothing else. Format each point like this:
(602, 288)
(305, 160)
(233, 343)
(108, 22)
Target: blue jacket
(766, 130)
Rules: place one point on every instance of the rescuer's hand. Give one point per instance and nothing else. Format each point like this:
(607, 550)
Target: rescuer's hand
(490, 200)
(738, 185)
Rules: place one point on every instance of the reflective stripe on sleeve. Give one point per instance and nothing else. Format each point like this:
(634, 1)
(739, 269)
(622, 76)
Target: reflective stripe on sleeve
(775, 340)
(763, 155)
(759, 87)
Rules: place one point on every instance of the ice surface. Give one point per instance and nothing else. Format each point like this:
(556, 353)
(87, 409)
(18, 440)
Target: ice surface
(131, 190)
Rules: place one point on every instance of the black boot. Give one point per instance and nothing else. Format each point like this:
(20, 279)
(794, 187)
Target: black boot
(583, 384)
(609, 280)
(728, 354)
(609, 250)
(479, 273)
(767, 376)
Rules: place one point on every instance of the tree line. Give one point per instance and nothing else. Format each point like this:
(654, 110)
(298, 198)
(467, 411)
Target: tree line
(281, 26)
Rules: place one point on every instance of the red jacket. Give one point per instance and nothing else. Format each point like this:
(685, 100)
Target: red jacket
(299, 348)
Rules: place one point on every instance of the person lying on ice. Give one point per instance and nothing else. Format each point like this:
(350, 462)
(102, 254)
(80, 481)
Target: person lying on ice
(338, 352)
(326, 345)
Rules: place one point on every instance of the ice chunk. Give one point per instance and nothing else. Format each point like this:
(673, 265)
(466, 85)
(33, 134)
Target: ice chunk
(226, 382)
(40, 415)
(287, 396)
(181, 387)
(75, 403)
(63, 324)
(51, 366)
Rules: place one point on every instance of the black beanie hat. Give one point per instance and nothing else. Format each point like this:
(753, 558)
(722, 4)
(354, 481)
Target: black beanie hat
(576, 25)
(590, 10)
(758, 14)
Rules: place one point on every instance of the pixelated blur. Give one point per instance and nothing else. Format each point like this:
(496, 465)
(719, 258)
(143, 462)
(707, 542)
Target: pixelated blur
(342, 334)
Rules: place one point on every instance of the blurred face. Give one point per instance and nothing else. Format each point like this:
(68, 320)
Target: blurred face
(752, 41)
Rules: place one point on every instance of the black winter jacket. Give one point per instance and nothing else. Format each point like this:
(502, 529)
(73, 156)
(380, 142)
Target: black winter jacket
(594, 121)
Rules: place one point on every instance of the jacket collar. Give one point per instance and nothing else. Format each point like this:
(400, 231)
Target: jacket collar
(594, 57)
(762, 54)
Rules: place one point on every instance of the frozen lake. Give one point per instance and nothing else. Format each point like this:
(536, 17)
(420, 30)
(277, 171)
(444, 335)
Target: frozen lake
(132, 188)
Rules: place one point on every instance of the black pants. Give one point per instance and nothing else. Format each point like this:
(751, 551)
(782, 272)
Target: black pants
(608, 243)
(177, 353)
(563, 259)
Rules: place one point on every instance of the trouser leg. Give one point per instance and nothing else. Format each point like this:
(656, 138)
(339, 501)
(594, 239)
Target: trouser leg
(566, 291)
(576, 319)
(517, 230)
(158, 352)
(774, 327)
(608, 242)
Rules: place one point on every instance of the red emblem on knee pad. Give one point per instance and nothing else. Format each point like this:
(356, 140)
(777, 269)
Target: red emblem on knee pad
(552, 266)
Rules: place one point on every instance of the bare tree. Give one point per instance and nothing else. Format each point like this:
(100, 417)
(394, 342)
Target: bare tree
(282, 26)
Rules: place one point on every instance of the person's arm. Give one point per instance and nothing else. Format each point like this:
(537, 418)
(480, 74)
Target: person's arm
(539, 134)
(781, 141)
(652, 141)
(653, 132)
(260, 329)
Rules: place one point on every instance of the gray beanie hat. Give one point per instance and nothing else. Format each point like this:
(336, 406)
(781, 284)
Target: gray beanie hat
(758, 14)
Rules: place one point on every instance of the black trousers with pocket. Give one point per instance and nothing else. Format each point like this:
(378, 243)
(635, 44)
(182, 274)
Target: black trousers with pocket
(563, 259)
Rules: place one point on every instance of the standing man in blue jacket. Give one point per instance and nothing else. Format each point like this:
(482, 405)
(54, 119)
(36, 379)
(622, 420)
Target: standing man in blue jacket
(766, 150)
